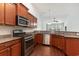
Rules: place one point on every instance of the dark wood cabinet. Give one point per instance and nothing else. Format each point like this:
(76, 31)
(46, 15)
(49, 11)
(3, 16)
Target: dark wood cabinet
(1, 13)
(22, 10)
(11, 48)
(72, 46)
(57, 41)
(10, 14)
(16, 49)
(38, 38)
(30, 18)
(5, 52)
(35, 22)
(61, 42)
(9, 11)
(53, 40)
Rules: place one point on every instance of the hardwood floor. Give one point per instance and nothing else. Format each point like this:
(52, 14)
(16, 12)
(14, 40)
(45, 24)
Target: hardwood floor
(42, 50)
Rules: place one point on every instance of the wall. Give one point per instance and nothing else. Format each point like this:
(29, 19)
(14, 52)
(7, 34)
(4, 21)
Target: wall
(8, 29)
(69, 13)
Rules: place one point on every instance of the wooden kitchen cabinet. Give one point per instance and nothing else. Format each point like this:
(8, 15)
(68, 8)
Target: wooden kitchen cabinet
(35, 22)
(11, 48)
(22, 10)
(16, 49)
(57, 41)
(5, 52)
(38, 38)
(31, 19)
(61, 42)
(72, 46)
(10, 14)
(54, 40)
(1, 13)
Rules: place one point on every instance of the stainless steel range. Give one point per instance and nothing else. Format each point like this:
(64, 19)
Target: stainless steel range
(27, 41)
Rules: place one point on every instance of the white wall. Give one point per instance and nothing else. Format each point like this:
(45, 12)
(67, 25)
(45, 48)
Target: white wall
(69, 13)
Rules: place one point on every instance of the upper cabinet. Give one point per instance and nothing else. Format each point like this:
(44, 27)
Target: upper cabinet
(1, 13)
(9, 11)
(10, 14)
(35, 22)
(21, 10)
(32, 19)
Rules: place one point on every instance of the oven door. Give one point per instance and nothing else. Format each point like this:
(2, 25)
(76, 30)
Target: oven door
(27, 46)
(28, 42)
(21, 21)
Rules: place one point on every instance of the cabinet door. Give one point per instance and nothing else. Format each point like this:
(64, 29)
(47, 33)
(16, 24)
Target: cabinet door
(52, 39)
(56, 41)
(21, 10)
(61, 43)
(72, 46)
(10, 14)
(16, 49)
(32, 21)
(38, 38)
(35, 22)
(5, 52)
(1, 13)
(30, 18)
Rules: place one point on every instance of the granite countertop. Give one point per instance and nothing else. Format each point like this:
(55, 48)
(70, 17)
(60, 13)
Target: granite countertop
(61, 33)
(7, 38)
(72, 36)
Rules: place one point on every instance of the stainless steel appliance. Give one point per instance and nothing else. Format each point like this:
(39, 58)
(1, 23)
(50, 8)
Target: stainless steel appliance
(27, 41)
(46, 39)
(22, 21)
(28, 44)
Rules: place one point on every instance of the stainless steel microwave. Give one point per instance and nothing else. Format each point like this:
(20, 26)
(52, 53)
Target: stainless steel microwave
(22, 21)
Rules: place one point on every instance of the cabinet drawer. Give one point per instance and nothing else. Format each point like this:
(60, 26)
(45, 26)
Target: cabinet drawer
(12, 42)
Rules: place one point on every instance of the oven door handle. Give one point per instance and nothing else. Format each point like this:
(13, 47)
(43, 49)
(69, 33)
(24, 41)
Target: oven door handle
(28, 39)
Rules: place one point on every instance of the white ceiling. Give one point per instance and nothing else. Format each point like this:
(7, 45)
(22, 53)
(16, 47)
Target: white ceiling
(59, 10)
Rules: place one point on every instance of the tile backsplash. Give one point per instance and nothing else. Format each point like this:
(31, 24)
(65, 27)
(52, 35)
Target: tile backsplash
(8, 29)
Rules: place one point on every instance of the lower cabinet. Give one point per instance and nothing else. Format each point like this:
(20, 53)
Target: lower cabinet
(54, 40)
(61, 42)
(72, 46)
(57, 41)
(5, 52)
(16, 49)
(11, 48)
(38, 38)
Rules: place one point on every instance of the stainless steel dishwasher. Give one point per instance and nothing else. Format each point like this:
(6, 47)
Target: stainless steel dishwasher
(46, 39)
